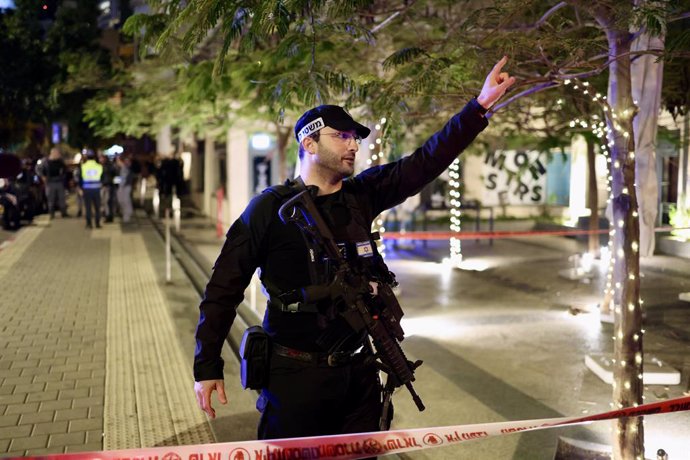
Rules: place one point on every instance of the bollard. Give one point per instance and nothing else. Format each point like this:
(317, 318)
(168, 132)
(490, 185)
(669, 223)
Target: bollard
(177, 212)
(661, 455)
(156, 202)
(219, 211)
(168, 252)
(142, 191)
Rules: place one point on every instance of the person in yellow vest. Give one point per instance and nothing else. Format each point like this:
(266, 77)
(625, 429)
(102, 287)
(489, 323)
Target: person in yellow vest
(90, 182)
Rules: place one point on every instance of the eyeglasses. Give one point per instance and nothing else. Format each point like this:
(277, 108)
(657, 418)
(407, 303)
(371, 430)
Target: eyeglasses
(345, 137)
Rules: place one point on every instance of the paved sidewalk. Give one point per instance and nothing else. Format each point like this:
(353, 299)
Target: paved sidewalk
(96, 347)
(91, 355)
(507, 339)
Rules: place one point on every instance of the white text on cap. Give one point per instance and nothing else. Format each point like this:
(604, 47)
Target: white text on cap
(310, 128)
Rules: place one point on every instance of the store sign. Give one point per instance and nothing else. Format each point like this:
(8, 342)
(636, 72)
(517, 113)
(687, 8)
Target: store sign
(513, 178)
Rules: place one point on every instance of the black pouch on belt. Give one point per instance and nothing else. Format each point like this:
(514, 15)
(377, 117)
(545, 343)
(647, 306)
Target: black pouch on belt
(255, 353)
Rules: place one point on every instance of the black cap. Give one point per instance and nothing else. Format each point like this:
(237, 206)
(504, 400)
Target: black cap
(327, 115)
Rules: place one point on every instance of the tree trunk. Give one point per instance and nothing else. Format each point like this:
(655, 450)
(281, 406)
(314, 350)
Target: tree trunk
(684, 176)
(592, 199)
(283, 136)
(628, 386)
(647, 76)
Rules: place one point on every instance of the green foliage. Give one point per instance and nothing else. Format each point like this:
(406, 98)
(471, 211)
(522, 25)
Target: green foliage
(404, 56)
(83, 67)
(415, 63)
(146, 27)
(651, 16)
(675, 92)
(25, 76)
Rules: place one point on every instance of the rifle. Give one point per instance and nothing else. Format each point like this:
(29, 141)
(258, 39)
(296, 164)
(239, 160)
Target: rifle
(350, 288)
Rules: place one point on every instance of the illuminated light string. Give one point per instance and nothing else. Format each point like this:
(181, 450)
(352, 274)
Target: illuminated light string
(375, 156)
(455, 211)
(603, 132)
(599, 128)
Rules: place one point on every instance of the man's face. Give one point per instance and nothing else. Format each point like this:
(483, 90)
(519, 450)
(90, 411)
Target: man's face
(336, 151)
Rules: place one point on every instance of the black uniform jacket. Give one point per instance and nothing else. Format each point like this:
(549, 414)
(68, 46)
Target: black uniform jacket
(258, 238)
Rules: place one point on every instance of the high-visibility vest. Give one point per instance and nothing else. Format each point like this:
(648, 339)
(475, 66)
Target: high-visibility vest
(91, 172)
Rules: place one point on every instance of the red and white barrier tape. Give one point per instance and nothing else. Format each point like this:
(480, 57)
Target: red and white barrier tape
(360, 445)
(498, 234)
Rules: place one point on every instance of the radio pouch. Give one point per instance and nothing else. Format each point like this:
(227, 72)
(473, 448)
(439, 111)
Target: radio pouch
(255, 353)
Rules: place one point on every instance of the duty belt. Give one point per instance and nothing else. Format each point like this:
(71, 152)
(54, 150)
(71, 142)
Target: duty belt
(339, 358)
(294, 307)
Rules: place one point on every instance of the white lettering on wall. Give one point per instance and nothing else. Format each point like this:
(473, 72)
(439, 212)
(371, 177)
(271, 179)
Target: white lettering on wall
(513, 178)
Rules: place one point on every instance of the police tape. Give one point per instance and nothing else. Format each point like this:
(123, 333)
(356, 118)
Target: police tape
(361, 445)
(446, 235)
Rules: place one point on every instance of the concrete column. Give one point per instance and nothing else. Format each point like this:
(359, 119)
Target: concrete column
(164, 144)
(578, 177)
(238, 173)
(211, 176)
(194, 178)
(646, 74)
(684, 164)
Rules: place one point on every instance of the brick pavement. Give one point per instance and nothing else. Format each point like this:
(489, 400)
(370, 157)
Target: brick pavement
(87, 336)
(83, 312)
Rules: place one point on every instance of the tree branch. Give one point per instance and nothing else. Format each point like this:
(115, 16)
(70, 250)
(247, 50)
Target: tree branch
(390, 18)
(533, 90)
(679, 17)
(385, 22)
(541, 21)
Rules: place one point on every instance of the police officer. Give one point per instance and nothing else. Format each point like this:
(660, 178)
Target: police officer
(308, 391)
(54, 171)
(90, 182)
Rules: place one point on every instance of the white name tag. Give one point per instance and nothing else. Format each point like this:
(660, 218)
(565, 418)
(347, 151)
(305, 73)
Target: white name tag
(310, 129)
(364, 249)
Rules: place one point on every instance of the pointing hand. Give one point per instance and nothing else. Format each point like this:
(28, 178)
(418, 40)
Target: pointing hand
(495, 85)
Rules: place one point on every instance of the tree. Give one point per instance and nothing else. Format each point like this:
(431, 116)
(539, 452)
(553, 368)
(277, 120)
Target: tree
(24, 88)
(420, 71)
(613, 21)
(81, 68)
(52, 64)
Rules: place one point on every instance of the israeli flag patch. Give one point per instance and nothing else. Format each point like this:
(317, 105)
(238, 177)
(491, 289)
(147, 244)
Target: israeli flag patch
(364, 249)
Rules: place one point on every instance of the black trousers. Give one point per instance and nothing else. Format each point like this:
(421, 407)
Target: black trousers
(92, 199)
(305, 399)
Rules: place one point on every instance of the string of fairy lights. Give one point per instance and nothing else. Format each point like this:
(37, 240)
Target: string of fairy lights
(376, 155)
(603, 132)
(598, 126)
(455, 211)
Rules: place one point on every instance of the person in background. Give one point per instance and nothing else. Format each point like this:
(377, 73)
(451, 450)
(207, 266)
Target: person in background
(53, 170)
(170, 181)
(75, 185)
(90, 181)
(108, 188)
(124, 188)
